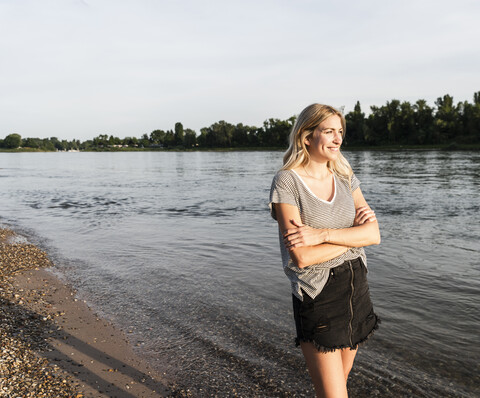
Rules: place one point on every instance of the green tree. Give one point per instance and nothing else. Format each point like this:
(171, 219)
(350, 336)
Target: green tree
(32, 143)
(240, 135)
(423, 123)
(384, 124)
(114, 141)
(86, 145)
(179, 134)
(275, 132)
(144, 141)
(469, 120)
(406, 129)
(101, 140)
(130, 141)
(253, 136)
(376, 126)
(57, 143)
(393, 114)
(47, 145)
(202, 138)
(356, 125)
(169, 141)
(245, 136)
(474, 118)
(190, 138)
(12, 141)
(446, 118)
(74, 144)
(157, 137)
(219, 135)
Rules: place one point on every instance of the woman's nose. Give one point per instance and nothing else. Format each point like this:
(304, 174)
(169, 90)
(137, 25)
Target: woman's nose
(338, 137)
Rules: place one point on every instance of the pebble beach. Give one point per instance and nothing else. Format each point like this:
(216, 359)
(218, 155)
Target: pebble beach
(53, 345)
(23, 333)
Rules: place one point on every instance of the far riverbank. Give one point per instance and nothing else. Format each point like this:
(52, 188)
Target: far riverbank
(444, 147)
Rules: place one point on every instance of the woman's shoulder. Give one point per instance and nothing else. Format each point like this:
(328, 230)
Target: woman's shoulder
(285, 179)
(351, 182)
(343, 179)
(283, 175)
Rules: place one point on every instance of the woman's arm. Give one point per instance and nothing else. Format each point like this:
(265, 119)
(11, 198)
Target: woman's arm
(302, 256)
(365, 231)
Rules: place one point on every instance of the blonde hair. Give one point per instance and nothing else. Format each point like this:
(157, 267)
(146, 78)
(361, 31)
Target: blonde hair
(306, 123)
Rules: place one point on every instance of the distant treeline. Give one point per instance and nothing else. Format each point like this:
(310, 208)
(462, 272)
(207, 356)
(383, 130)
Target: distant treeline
(395, 123)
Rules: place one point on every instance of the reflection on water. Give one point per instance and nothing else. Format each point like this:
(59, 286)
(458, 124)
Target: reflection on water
(184, 241)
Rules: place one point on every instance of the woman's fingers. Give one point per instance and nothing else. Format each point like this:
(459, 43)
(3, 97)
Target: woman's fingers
(363, 215)
(295, 243)
(362, 209)
(297, 224)
(302, 236)
(366, 214)
(292, 241)
(369, 218)
(292, 244)
(365, 218)
(292, 231)
(297, 237)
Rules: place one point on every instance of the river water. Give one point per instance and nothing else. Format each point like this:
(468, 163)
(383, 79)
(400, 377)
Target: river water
(179, 250)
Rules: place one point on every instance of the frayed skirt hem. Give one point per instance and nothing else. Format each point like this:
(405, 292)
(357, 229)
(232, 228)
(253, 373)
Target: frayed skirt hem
(321, 348)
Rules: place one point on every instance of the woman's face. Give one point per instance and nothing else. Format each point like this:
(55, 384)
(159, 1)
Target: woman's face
(324, 143)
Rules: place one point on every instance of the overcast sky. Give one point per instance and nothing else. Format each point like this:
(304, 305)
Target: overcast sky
(80, 68)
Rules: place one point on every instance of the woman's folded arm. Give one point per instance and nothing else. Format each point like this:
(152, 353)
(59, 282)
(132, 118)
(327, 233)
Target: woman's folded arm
(288, 216)
(364, 232)
(309, 255)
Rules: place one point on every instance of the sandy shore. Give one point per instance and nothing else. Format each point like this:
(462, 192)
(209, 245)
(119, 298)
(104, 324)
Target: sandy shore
(53, 344)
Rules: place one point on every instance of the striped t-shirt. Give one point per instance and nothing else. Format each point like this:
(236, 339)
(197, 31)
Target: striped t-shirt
(288, 187)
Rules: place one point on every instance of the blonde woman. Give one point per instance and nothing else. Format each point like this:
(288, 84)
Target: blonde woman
(324, 223)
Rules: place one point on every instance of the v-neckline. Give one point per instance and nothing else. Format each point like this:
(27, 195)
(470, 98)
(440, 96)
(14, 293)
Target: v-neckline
(309, 190)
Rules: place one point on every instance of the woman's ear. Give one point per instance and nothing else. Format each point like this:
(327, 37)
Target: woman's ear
(307, 141)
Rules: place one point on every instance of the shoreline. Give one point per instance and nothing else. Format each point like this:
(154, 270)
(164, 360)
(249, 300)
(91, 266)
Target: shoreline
(452, 147)
(54, 344)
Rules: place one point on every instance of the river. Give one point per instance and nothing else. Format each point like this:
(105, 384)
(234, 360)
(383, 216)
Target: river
(179, 250)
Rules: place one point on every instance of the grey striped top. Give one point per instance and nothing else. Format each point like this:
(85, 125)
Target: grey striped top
(288, 187)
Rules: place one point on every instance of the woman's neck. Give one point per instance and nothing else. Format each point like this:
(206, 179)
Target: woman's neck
(317, 170)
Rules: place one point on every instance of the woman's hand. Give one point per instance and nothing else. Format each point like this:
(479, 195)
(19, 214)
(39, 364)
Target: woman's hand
(364, 214)
(303, 235)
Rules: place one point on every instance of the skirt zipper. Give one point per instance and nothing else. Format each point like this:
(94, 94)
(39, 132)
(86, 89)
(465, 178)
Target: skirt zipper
(351, 305)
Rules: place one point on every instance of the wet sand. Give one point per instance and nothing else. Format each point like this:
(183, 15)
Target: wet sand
(53, 344)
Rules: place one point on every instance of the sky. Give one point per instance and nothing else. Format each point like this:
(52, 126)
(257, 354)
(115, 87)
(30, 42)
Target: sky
(74, 69)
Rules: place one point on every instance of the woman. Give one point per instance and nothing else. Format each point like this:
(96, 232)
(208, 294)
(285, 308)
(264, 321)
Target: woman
(324, 223)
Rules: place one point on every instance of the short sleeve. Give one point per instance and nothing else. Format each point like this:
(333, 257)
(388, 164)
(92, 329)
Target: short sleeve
(354, 182)
(283, 190)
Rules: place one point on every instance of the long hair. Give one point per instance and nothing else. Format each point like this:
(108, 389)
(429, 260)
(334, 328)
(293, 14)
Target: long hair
(308, 120)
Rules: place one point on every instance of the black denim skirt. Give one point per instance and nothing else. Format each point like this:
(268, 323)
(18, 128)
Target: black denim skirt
(341, 315)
